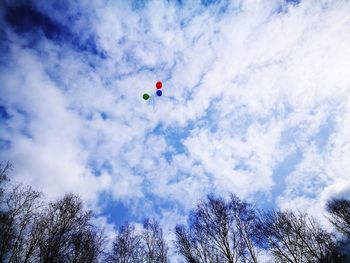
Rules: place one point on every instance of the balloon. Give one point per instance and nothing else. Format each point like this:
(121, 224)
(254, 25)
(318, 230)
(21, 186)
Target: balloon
(159, 85)
(145, 96)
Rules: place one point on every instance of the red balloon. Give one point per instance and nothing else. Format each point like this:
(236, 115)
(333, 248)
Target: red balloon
(159, 85)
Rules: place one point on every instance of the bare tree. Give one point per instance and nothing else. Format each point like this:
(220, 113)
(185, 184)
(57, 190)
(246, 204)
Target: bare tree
(154, 244)
(33, 232)
(146, 246)
(19, 208)
(339, 210)
(86, 246)
(218, 231)
(193, 246)
(184, 245)
(127, 247)
(6, 234)
(4, 169)
(24, 205)
(244, 218)
(213, 219)
(67, 233)
(296, 238)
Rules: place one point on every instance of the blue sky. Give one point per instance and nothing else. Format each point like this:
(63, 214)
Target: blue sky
(256, 101)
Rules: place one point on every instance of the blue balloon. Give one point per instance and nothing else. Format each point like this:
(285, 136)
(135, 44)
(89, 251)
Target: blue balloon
(159, 92)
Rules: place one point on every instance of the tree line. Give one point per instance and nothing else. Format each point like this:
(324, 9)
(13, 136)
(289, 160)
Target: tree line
(218, 230)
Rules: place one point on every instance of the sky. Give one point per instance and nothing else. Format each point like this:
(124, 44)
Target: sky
(256, 102)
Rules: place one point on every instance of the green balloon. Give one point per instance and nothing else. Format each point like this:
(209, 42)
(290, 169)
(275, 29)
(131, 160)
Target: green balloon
(145, 96)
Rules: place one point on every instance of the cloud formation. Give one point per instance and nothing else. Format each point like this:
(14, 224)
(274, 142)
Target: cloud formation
(255, 101)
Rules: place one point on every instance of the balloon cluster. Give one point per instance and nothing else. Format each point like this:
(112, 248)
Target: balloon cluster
(159, 85)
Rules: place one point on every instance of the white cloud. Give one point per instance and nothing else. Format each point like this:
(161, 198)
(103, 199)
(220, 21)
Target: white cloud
(250, 86)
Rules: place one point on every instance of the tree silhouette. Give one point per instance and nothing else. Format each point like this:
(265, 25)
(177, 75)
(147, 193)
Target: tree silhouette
(67, 233)
(339, 210)
(147, 246)
(5, 230)
(295, 237)
(155, 247)
(31, 231)
(218, 231)
(127, 246)
(23, 205)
